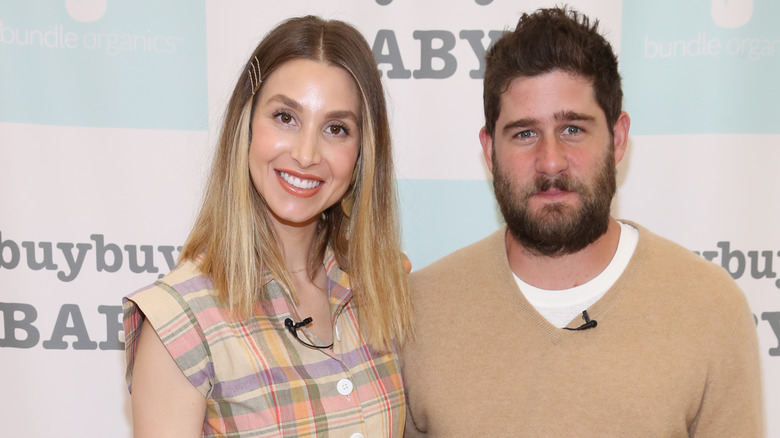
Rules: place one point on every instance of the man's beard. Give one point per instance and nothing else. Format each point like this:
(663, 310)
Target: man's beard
(557, 229)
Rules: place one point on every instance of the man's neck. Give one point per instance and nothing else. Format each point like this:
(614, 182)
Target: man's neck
(567, 271)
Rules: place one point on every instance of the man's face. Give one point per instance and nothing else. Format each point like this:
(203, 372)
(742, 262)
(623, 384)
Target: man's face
(553, 162)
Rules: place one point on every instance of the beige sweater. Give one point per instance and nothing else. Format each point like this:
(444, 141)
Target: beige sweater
(675, 353)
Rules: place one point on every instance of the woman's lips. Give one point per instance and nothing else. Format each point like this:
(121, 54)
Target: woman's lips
(298, 184)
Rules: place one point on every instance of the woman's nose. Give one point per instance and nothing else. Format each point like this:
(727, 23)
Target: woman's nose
(306, 149)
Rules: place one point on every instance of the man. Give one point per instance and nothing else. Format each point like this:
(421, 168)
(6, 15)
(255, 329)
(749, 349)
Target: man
(567, 322)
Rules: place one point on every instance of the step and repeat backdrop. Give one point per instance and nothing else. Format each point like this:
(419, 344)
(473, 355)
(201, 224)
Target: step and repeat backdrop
(109, 111)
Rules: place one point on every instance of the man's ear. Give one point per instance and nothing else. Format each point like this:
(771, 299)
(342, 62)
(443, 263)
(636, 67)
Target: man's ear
(620, 135)
(487, 147)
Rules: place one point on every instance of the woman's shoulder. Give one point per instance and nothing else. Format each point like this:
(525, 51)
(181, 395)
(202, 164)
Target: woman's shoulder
(176, 306)
(185, 285)
(184, 296)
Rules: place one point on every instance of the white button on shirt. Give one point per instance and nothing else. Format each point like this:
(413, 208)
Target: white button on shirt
(344, 386)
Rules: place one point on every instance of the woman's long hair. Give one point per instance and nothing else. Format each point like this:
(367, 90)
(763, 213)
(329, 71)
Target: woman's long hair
(233, 240)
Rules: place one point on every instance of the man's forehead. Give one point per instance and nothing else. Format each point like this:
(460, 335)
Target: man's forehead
(555, 95)
(554, 80)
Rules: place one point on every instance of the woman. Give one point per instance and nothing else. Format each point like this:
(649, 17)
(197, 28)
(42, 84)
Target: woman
(284, 312)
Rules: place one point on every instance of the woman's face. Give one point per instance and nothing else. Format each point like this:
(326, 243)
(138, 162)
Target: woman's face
(305, 140)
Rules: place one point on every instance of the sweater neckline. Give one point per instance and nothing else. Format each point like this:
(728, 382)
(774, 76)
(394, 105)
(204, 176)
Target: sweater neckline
(597, 311)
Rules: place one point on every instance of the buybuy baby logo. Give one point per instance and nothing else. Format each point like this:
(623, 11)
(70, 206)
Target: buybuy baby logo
(701, 67)
(104, 63)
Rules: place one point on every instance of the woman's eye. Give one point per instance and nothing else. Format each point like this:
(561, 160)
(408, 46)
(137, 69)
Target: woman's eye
(338, 130)
(284, 117)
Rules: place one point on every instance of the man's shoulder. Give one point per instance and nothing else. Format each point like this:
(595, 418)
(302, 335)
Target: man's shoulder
(656, 249)
(670, 264)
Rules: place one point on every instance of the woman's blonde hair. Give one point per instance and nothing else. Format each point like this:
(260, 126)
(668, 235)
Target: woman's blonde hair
(233, 240)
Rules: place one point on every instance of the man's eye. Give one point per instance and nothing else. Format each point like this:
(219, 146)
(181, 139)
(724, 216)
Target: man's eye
(526, 134)
(571, 130)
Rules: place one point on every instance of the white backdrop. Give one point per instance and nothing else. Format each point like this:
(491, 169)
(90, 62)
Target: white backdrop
(109, 111)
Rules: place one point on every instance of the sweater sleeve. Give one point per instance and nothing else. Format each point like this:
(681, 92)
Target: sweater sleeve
(178, 329)
(732, 404)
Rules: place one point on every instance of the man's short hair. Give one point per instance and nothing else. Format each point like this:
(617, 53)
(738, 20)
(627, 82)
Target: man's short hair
(553, 39)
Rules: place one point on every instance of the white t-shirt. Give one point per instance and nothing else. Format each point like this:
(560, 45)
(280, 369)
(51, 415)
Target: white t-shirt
(561, 306)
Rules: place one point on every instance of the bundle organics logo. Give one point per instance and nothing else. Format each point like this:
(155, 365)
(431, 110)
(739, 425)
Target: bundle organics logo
(689, 75)
(86, 10)
(725, 14)
(91, 46)
(731, 13)
(64, 35)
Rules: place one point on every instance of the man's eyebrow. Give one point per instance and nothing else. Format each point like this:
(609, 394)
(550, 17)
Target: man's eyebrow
(520, 123)
(570, 116)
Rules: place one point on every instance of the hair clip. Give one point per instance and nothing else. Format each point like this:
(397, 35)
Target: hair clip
(254, 75)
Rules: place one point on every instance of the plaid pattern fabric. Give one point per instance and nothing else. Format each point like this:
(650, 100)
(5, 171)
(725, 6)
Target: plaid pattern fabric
(257, 379)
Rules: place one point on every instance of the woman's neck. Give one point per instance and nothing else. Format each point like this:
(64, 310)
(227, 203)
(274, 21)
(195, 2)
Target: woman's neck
(296, 242)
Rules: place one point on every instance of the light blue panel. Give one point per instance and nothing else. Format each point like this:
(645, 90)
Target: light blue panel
(100, 63)
(440, 216)
(689, 70)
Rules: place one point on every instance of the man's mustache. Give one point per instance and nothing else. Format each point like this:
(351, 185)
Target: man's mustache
(563, 182)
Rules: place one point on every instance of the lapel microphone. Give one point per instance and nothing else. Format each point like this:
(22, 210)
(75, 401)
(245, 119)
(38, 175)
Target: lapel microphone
(589, 323)
(293, 327)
